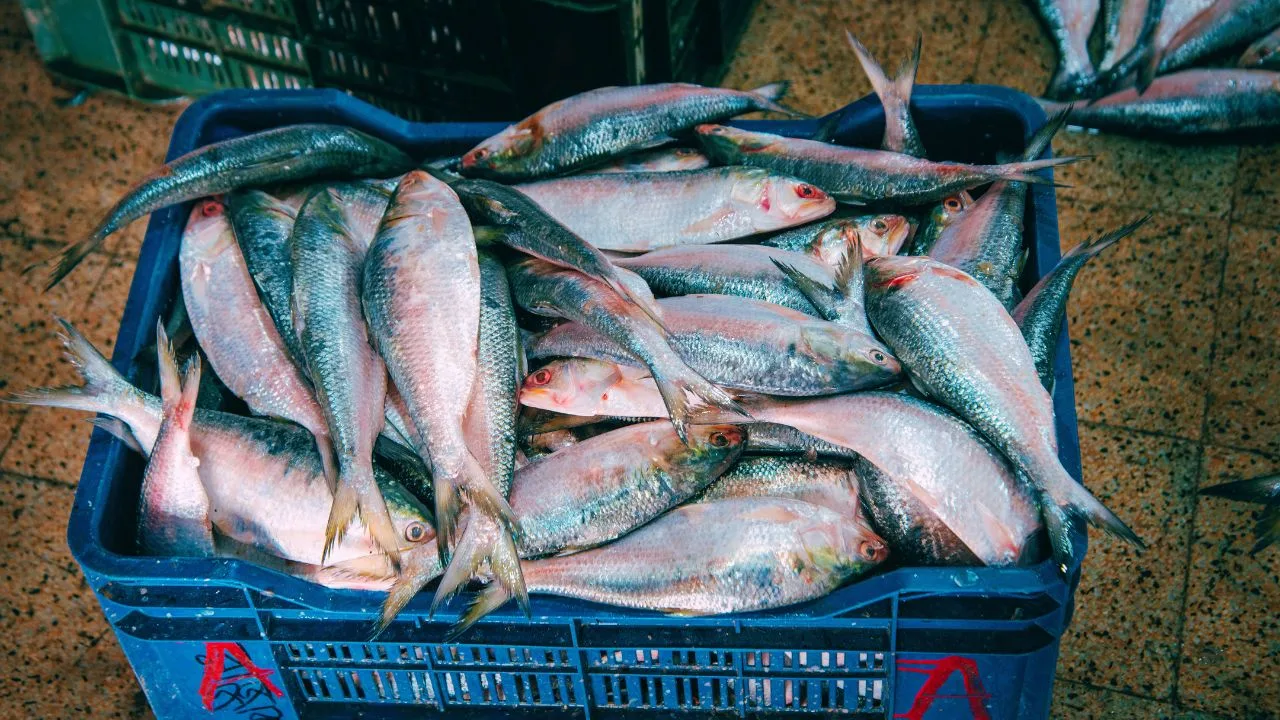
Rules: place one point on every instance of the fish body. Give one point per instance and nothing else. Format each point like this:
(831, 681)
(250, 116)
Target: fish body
(1222, 25)
(546, 290)
(1039, 314)
(1263, 54)
(490, 424)
(733, 555)
(857, 175)
(659, 160)
(262, 226)
(173, 507)
(941, 216)
(1190, 102)
(1124, 23)
(592, 388)
(598, 124)
(960, 346)
(742, 270)
(636, 212)
(349, 376)
(747, 345)
(900, 133)
(1069, 23)
(264, 479)
(237, 334)
(282, 154)
(832, 485)
(829, 240)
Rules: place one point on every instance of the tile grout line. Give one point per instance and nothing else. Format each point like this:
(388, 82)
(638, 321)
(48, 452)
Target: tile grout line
(1201, 465)
(982, 41)
(1170, 436)
(37, 479)
(17, 427)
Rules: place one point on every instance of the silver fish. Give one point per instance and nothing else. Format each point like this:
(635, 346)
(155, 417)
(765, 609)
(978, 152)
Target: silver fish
(1039, 315)
(1173, 16)
(958, 344)
(829, 241)
(1265, 490)
(733, 555)
(832, 485)
(289, 153)
(1223, 25)
(900, 134)
(422, 260)
(940, 217)
(1069, 23)
(659, 160)
(593, 388)
(173, 507)
(1263, 54)
(856, 175)
(350, 379)
(1125, 22)
(598, 124)
(235, 330)
(262, 225)
(747, 345)
(543, 289)
(636, 212)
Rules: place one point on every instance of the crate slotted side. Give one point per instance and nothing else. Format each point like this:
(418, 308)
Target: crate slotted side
(862, 651)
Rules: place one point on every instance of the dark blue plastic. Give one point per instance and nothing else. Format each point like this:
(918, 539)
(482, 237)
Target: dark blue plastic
(989, 635)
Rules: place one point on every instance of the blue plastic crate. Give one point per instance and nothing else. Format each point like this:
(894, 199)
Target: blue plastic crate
(248, 642)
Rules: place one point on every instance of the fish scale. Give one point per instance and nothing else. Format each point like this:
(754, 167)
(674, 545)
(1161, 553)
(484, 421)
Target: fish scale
(262, 227)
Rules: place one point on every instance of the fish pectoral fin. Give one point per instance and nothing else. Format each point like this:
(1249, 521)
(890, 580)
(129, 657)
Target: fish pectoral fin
(709, 223)
(847, 198)
(656, 142)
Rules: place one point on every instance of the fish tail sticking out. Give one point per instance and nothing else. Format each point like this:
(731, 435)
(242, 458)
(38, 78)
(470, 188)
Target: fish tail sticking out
(103, 387)
(1257, 490)
(358, 494)
(120, 431)
(417, 567)
(1091, 248)
(490, 598)
(1066, 503)
(1024, 171)
(675, 395)
(484, 542)
(767, 97)
(1043, 137)
(480, 494)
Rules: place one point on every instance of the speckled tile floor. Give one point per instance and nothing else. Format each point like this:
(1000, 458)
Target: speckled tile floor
(1175, 336)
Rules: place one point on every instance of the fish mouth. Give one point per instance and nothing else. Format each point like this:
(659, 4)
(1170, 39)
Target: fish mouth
(544, 399)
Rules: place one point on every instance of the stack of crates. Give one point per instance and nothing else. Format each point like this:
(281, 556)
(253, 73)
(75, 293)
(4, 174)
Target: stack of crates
(420, 59)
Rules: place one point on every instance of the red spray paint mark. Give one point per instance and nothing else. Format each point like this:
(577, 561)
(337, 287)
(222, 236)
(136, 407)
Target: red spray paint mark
(939, 671)
(215, 658)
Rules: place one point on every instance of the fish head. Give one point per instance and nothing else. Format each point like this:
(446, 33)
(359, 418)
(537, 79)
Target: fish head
(882, 234)
(1263, 51)
(951, 207)
(788, 201)
(684, 159)
(572, 386)
(208, 228)
(504, 151)
(412, 519)
(711, 448)
(726, 144)
(863, 359)
(832, 545)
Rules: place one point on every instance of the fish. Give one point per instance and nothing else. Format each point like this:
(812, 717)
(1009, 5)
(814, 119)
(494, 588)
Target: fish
(236, 332)
(772, 439)
(489, 428)
(1125, 23)
(734, 555)
(264, 478)
(1223, 25)
(945, 496)
(526, 227)
(1263, 54)
(940, 217)
(350, 378)
(1172, 16)
(543, 289)
(1069, 23)
(637, 212)
(595, 491)
(1265, 490)
(262, 226)
(173, 507)
(859, 176)
(832, 485)
(743, 270)
(1039, 314)
(900, 133)
(593, 388)
(1186, 103)
(746, 345)
(599, 124)
(959, 345)
(547, 443)
(659, 160)
(830, 240)
(423, 260)
(295, 152)
(985, 240)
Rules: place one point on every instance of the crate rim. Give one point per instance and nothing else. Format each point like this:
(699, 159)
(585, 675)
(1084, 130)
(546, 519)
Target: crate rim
(84, 525)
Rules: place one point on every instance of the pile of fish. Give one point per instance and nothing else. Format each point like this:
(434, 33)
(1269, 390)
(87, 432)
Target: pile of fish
(1172, 67)
(579, 360)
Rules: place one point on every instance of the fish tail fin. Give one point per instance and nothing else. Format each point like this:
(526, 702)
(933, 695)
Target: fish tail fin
(186, 407)
(1268, 530)
(822, 298)
(417, 567)
(492, 597)
(483, 542)
(647, 304)
(120, 431)
(1256, 490)
(1023, 171)
(905, 81)
(324, 446)
(767, 97)
(1091, 248)
(1062, 527)
(1074, 499)
(880, 83)
(167, 364)
(70, 257)
(358, 494)
(1043, 137)
(675, 395)
(103, 386)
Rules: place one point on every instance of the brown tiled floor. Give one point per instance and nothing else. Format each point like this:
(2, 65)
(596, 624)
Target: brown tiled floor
(1175, 335)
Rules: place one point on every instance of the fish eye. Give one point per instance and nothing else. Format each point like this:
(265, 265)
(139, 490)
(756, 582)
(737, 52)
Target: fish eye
(879, 226)
(415, 532)
(479, 153)
(807, 191)
(542, 377)
(870, 550)
(952, 203)
(719, 439)
(211, 208)
(878, 357)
